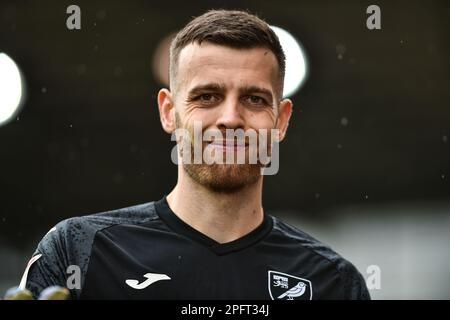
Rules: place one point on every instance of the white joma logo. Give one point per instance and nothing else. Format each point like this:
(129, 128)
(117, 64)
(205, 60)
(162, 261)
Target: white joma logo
(151, 278)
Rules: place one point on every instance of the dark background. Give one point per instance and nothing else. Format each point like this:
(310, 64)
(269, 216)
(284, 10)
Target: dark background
(88, 138)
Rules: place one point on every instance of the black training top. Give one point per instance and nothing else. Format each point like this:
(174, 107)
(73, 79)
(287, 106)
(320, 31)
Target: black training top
(147, 252)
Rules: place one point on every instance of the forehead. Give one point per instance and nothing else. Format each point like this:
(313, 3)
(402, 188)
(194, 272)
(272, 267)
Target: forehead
(208, 62)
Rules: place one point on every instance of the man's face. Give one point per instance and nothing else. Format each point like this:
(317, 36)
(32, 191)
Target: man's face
(227, 88)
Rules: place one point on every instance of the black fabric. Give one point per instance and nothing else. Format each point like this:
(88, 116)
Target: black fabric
(182, 228)
(274, 261)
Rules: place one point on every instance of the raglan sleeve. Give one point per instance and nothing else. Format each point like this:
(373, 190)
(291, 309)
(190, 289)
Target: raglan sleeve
(48, 265)
(354, 285)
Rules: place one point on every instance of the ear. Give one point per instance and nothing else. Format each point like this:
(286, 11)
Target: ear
(166, 110)
(284, 114)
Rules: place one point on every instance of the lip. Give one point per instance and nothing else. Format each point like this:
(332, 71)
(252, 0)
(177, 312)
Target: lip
(228, 143)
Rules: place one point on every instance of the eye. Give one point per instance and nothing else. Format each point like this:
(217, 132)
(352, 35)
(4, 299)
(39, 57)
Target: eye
(207, 98)
(256, 100)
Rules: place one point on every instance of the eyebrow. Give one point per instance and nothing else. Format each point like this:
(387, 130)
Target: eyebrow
(256, 89)
(217, 87)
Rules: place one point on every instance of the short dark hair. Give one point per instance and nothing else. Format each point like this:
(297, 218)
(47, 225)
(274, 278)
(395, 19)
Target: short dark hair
(231, 28)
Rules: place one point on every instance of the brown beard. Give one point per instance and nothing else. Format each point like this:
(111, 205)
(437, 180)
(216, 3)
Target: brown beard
(221, 178)
(224, 178)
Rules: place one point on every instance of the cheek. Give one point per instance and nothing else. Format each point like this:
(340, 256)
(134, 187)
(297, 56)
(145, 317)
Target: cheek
(261, 120)
(192, 114)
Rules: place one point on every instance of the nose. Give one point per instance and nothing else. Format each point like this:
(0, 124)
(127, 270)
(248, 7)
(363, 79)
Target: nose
(230, 115)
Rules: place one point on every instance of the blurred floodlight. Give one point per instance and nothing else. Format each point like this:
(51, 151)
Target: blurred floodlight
(160, 63)
(10, 88)
(296, 64)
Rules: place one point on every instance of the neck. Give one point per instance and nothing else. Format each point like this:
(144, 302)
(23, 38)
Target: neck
(223, 217)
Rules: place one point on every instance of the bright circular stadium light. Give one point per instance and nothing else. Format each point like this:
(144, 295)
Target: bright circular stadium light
(10, 88)
(296, 64)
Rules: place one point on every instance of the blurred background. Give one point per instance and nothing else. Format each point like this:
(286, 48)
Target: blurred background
(365, 166)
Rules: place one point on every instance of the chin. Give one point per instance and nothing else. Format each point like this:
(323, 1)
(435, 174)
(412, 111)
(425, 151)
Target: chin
(224, 178)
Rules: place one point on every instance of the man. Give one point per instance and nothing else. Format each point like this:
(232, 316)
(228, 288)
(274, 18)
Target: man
(210, 237)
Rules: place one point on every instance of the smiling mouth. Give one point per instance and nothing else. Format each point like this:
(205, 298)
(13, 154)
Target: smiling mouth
(228, 144)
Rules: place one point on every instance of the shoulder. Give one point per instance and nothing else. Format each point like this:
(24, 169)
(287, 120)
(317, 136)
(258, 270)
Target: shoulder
(305, 240)
(81, 227)
(70, 243)
(353, 282)
(72, 238)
